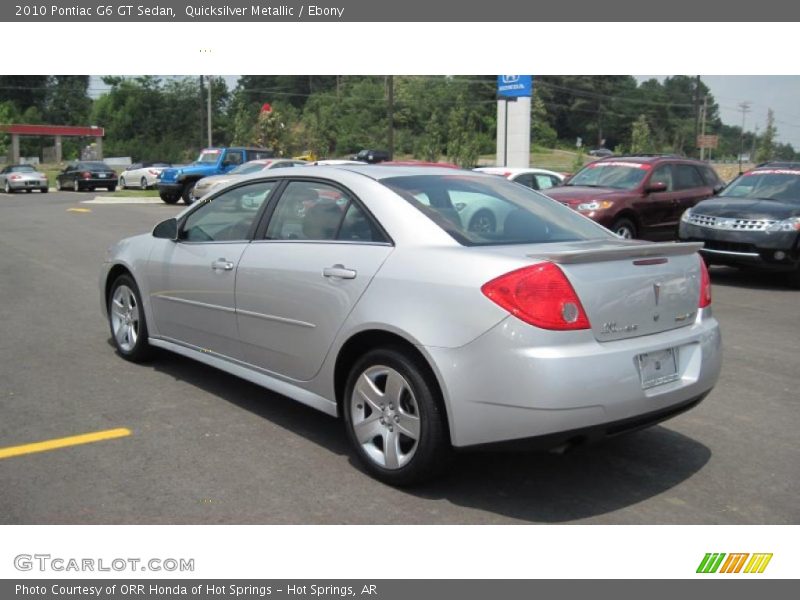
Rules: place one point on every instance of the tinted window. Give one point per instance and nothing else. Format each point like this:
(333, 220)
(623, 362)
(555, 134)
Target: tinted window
(227, 217)
(527, 180)
(710, 176)
(620, 175)
(686, 176)
(234, 157)
(544, 182)
(259, 154)
(22, 169)
(516, 215)
(135, 166)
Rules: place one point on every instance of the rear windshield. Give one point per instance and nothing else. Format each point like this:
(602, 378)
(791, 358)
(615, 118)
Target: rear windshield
(22, 169)
(96, 165)
(619, 175)
(488, 211)
(773, 184)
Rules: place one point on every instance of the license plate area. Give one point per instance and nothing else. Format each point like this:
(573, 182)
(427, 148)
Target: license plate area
(657, 368)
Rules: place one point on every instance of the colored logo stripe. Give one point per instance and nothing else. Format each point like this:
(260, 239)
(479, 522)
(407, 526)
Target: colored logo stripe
(758, 563)
(733, 564)
(710, 562)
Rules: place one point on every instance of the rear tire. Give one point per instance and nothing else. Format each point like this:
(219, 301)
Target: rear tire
(127, 321)
(76, 185)
(624, 228)
(112, 188)
(7, 188)
(122, 183)
(482, 221)
(58, 185)
(44, 190)
(143, 183)
(28, 190)
(394, 418)
(793, 278)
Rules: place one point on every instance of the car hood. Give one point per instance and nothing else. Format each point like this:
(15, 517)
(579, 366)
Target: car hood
(748, 208)
(575, 194)
(206, 182)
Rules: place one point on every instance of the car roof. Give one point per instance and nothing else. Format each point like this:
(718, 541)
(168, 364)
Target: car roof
(647, 158)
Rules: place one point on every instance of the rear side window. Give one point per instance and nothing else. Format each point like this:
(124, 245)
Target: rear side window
(687, 176)
(488, 211)
(314, 211)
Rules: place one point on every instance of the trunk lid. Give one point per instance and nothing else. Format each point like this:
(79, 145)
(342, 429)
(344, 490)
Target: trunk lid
(629, 288)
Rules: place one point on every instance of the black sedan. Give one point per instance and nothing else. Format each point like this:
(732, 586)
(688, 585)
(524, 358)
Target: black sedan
(87, 176)
(754, 222)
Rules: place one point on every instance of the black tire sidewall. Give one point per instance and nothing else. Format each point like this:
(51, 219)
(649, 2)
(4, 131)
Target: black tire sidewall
(141, 350)
(627, 223)
(433, 450)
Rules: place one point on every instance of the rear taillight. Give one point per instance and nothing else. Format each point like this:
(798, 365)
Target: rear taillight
(540, 295)
(86, 175)
(152, 172)
(705, 286)
(15, 177)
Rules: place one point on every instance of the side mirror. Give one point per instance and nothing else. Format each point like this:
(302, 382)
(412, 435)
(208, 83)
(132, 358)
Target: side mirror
(167, 230)
(656, 186)
(718, 188)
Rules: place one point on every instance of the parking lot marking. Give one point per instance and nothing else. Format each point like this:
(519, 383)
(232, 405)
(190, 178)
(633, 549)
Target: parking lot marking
(75, 440)
(79, 210)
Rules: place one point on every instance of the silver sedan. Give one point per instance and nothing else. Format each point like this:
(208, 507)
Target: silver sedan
(22, 177)
(358, 291)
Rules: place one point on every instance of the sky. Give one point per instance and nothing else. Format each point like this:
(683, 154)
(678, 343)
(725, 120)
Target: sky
(779, 92)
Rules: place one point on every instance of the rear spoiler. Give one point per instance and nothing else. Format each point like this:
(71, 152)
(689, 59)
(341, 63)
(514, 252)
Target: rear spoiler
(631, 250)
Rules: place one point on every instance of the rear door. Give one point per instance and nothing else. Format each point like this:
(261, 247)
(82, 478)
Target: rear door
(192, 281)
(692, 188)
(297, 284)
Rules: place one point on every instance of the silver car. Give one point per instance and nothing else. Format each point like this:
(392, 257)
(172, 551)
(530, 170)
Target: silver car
(338, 287)
(22, 177)
(206, 184)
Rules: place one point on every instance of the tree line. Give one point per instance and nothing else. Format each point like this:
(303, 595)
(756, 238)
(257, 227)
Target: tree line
(428, 117)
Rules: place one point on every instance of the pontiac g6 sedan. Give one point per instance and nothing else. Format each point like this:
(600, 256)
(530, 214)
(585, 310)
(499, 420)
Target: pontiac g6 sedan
(357, 290)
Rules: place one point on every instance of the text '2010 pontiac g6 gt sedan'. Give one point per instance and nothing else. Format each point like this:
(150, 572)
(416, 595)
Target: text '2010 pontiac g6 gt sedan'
(359, 291)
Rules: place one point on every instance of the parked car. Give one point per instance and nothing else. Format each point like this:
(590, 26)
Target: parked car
(87, 175)
(205, 185)
(371, 156)
(601, 152)
(420, 333)
(177, 183)
(142, 175)
(536, 179)
(639, 196)
(754, 222)
(22, 177)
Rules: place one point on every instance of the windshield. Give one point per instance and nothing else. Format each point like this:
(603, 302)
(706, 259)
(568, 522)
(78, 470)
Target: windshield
(613, 174)
(773, 184)
(489, 211)
(249, 168)
(96, 166)
(209, 157)
(22, 169)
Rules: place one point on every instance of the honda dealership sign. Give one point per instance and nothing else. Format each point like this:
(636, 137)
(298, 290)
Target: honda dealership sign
(514, 86)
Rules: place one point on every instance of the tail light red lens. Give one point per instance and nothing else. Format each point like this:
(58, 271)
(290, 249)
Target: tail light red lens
(540, 295)
(705, 286)
(15, 177)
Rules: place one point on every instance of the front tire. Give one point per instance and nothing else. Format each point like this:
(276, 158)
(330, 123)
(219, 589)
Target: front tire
(186, 193)
(122, 183)
(394, 418)
(127, 321)
(624, 228)
(44, 190)
(7, 188)
(169, 198)
(143, 183)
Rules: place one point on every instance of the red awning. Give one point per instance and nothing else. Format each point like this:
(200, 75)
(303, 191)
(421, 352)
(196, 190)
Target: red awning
(65, 130)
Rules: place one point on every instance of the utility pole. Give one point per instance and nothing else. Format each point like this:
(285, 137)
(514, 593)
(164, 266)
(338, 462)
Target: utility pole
(390, 114)
(745, 108)
(697, 110)
(202, 110)
(753, 150)
(209, 111)
(703, 127)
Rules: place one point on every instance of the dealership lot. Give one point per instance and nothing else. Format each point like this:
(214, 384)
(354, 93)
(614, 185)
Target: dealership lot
(205, 447)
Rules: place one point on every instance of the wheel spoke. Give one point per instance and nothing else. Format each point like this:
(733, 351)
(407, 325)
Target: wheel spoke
(408, 425)
(121, 334)
(368, 429)
(133, 333)
(367, 391)
(391, 449)
(395, 385)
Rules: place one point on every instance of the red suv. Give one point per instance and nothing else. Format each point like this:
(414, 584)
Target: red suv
(639, 196)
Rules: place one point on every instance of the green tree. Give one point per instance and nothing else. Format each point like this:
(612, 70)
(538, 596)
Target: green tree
(640, 136)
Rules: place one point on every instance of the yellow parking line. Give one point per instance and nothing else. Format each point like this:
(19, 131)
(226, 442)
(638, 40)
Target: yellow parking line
(79, 210)
(75, 440)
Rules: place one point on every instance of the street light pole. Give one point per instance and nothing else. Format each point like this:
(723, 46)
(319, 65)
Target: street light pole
(210, 78)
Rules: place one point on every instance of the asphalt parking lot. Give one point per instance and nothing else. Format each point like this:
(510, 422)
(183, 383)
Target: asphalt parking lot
(205, 447)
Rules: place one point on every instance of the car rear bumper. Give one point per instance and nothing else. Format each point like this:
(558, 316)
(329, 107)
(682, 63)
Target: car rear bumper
(517, 382)
(29, 184)
(774, 251)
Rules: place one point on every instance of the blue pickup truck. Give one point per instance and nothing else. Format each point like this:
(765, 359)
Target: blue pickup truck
(178, 182)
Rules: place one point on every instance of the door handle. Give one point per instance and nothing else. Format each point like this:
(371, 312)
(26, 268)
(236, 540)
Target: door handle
(339, 271)
(222, 264)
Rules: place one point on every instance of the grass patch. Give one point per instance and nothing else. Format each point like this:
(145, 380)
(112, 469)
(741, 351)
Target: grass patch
(129, 193)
